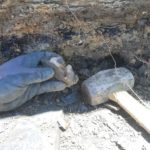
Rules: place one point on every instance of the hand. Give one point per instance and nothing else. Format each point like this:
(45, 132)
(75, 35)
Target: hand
(22, 78)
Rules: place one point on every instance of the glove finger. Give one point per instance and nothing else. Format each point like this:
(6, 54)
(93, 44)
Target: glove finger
(33, 90)
(28, 95)
(12, 105)
(51, 86)
(10, 89)
(34, 58)
(36, 76)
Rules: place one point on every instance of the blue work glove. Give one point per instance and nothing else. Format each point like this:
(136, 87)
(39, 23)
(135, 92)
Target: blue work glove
(21, 79)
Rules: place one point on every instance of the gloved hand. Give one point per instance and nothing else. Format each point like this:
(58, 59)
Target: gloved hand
(22, 78)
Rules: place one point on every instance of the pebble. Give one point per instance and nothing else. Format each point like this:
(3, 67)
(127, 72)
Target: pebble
(63, 124)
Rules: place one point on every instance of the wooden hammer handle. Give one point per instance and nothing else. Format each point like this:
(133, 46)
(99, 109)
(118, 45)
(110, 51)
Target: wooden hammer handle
(133, 107)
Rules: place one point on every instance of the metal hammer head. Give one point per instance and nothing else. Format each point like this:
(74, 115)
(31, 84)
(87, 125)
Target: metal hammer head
(97, 88)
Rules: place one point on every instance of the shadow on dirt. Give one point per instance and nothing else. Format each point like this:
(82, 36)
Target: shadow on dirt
(130, 121)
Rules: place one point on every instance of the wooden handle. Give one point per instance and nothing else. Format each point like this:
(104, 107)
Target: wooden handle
(134, 108)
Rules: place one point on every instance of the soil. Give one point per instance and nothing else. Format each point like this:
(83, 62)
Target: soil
(110, 26)
(105, 126)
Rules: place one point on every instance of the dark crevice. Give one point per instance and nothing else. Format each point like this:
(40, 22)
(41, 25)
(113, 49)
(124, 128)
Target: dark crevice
(86, 67)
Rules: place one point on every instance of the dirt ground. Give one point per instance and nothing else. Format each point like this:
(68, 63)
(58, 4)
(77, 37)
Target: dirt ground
(103, 127)
(82, 32)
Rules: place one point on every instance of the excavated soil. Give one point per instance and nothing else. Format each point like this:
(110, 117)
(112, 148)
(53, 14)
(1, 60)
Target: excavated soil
(87, 46)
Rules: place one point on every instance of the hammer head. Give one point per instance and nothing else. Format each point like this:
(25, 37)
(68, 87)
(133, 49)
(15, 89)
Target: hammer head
(97, 88)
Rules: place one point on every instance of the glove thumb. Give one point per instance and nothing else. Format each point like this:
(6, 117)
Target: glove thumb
(37, 75)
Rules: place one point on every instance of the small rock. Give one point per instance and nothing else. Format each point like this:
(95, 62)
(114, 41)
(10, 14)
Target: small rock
(63, 125)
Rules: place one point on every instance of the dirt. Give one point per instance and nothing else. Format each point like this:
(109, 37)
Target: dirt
(105, 126)
(125, 32)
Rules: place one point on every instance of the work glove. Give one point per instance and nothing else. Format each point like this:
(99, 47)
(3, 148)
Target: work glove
(21, 79)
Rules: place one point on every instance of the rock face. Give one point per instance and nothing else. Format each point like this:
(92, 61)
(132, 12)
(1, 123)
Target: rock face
(85, 28)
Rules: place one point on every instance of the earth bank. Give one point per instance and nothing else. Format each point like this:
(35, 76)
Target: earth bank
(87, 34)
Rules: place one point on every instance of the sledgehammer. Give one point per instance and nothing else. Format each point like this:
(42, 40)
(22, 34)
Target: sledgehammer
(112, 84)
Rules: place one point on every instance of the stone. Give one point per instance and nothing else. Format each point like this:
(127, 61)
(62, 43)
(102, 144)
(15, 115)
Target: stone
(63, 124)
(63, 72)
